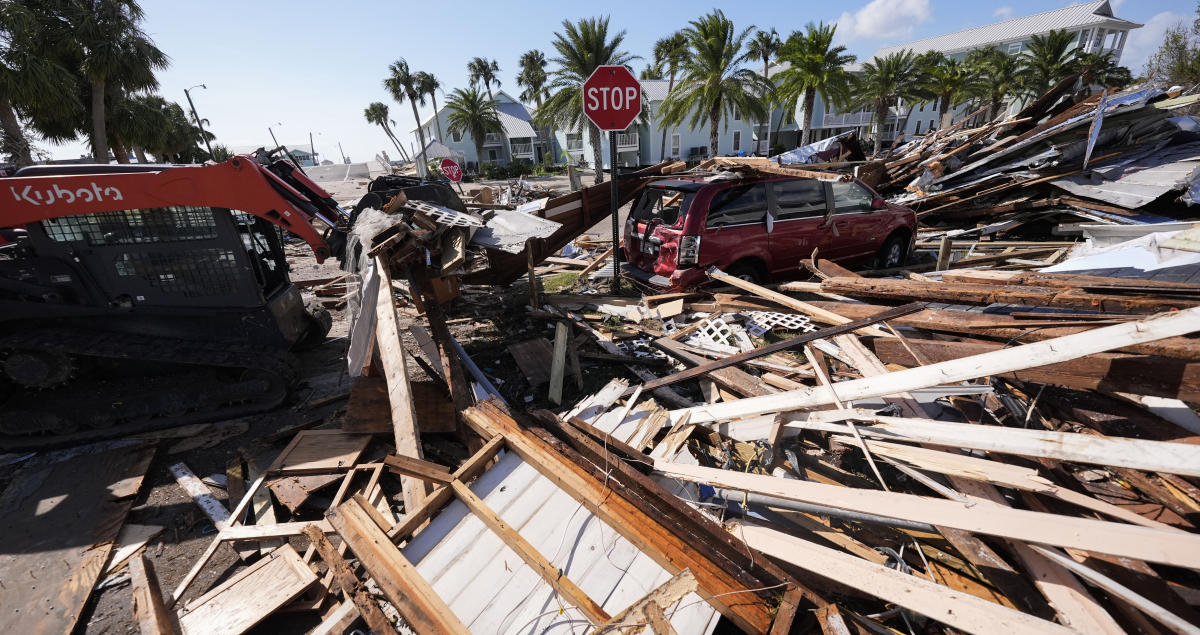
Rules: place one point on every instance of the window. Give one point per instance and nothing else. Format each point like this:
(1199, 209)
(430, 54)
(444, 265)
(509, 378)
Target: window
(799, 198)
(667, 205)
(918, 130)
(738, 205)
(574, 141)
(737, 140)
(850, 197)
(1014, 48)
(456, 135)
(737, 116)
(135, 226)
(491, 155)
(675, 145)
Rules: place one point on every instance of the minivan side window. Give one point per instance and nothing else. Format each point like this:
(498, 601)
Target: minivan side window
(850, 197)
(799, 198)
(738, 205)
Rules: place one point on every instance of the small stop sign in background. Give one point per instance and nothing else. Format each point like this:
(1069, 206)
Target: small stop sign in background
(451, 170)
(612, 97)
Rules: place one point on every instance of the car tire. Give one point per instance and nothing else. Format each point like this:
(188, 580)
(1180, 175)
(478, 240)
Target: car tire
(746, 271)
(894, 252)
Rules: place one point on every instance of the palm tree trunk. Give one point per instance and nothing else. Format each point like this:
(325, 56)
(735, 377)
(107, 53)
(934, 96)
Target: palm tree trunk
(714, 117)
(420, 133)
(99, 131)
(662, 151)
(14, 138)
(396, 142)
(943, 108)
(119, 149)
(994, 111)
(810, 99)
(597, 153)
(881, 111)
(779, 126)
(478, 154)
(767, 123)
(140, 153)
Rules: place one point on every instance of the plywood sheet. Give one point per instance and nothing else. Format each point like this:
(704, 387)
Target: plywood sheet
(368, 409)
(59, 521)
(247, 598)
(533, 358)
(435, 409)
(320, 451)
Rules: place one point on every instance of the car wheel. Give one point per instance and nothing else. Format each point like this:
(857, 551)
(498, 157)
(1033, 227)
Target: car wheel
(746, 272)
(894, 253)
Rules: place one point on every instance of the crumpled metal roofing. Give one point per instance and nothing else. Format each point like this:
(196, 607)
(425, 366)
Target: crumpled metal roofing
(1072, 17)
(1136, 181)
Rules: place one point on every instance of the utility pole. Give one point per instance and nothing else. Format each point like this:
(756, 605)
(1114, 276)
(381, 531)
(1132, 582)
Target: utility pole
(342, 153)
(313, 148)
(197, 118)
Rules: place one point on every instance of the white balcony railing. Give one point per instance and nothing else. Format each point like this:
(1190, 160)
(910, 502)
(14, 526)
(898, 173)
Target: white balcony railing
(574, 142)
(522, 149)
(627, 140)
(492, 139)
(847, 119)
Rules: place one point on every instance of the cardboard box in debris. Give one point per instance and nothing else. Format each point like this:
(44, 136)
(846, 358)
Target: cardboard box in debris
(999, 437)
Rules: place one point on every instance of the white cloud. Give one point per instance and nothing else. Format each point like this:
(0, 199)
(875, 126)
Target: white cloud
(1143, 42)
(1003, 13)
(890, 19)
(1116, 4)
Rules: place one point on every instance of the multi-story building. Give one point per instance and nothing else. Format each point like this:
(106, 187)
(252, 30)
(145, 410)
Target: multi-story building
(518, 141)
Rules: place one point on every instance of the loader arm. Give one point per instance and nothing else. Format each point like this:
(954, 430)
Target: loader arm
(239, 183)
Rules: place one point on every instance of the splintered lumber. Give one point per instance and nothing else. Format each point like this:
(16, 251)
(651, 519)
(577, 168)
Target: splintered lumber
(417, 468)
(953, 608)
(735, 379)
(763, 351)
(1105, 372)
(558, 362)
(470, 468)
(356, 592)
(1139, 454)
(201, 495)
(149, 612)
(1154, 545)
(419, 605)
(395, 367)
(668, 593)
(996, 362)
(250, 596)
(810, 310)
(983, 294)
(718, 584)
(532, 557)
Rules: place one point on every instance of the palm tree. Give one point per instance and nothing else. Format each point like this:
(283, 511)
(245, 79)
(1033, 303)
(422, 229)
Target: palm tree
(582, 46)
(1100, 69)
(469, 113)
(117, 56)
(486, 72)
(403, 83)
(815, 67)
(998, 76)
(652, 71)
(31, 79)
(141, 121)
(714, 82)
(951, 84)
(533, 78)
(764, 45)
(377, 113)
(882, 84)
(670, 52)
(429, 85)
(1049, 59)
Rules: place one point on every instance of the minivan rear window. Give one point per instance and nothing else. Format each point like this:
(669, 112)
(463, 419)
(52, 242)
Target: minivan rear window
(738, 205)
(666, 205)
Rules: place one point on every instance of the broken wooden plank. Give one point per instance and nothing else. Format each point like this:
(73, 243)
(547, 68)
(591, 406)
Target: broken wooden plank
(815, 312)
(250, 596)
(1155, 545)
(662, 597)
(533, 357)
(411, 594)
(940, 603)
(320, 452)
(149, 612)
(417, 468)
(201, 495)
(356, 592)
(1002, 361)
(558, 362)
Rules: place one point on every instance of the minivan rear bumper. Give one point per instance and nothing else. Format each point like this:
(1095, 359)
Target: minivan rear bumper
(680, 278)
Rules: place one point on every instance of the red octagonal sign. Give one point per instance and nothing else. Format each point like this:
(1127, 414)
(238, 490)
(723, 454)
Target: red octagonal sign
(612, 97)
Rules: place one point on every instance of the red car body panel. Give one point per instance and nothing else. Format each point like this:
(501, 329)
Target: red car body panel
(847, 222)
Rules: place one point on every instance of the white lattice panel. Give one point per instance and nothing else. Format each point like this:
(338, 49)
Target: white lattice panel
(721, 333)
(444, 215)
(759, 322)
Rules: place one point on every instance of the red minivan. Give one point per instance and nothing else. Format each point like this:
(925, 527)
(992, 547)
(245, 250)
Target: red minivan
(760, 228)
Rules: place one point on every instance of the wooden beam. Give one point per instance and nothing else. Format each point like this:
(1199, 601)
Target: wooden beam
(734, 379)
(666, 594)
(395, 366)
(470, 468)
(1140, 454)
(1002, 361)
(354, 590)
(1155, 545)
(950, 607)
(420, 606)
(782, 345)
(417, 468)
(149, 611)
(558, 361)
(829, 317)
(532, 557)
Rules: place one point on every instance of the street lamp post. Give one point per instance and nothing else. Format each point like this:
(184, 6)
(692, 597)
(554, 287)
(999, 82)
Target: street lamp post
(273, 139)
(199, 123)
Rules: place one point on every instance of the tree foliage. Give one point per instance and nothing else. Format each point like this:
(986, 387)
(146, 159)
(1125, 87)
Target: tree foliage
(815, 67)
(471, 112)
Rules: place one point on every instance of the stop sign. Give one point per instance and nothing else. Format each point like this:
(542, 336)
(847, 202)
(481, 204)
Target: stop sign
(612, 97)
(451, 170)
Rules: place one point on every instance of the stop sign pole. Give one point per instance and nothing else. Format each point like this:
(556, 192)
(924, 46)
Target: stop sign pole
(612, 100)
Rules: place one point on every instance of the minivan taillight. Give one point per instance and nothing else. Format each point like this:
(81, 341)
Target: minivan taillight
(689, 251)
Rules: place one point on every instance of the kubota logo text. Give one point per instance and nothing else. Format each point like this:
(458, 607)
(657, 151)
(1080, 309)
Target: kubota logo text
(50, 195)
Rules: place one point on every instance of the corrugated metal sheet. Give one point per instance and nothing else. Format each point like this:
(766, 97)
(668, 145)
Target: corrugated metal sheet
(515, 119)
(1072, 17)
(1135, 183)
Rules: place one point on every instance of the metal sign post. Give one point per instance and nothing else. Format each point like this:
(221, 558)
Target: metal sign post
(615, 203)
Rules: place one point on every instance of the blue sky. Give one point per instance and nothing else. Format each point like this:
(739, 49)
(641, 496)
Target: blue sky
(314, 66)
